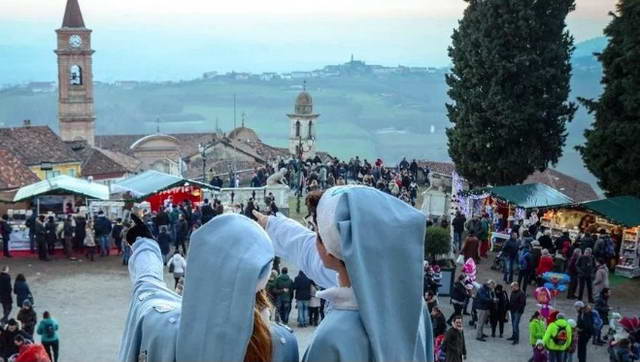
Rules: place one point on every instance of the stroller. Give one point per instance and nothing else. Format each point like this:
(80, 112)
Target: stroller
(498, 262)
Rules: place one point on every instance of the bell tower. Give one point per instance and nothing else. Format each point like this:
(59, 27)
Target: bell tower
(302, 127)
(76, 115)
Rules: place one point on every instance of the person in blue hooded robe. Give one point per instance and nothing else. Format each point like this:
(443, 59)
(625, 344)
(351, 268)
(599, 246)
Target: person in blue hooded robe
(222, 310)
(368, 252)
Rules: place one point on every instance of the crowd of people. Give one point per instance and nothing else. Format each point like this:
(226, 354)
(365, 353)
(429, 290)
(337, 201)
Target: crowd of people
(523, 259)
(400, 180)
(18, 334)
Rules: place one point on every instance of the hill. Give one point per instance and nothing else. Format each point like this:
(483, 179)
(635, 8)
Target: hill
(389, 115)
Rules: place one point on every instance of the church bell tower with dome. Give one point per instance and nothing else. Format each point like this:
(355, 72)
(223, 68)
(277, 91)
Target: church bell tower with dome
(302, 130)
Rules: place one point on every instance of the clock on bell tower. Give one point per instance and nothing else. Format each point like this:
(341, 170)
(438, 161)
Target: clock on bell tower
(76, 115)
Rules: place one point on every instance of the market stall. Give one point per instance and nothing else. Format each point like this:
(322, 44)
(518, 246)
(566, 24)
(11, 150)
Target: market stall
(159, 188)
(55, 196)
(619, 216)
(508, 204)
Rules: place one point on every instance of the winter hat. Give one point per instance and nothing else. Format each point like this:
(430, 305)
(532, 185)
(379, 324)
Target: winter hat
(572, 323)
(26, 303)
(539, 342)
(578, 304)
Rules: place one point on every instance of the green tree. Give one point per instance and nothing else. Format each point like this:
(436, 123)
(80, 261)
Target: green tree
(437, 241)
(612, 148)
(509, 86)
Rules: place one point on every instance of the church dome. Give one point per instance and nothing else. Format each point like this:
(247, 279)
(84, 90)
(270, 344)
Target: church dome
(244, 134)
(304, 103)
(304, 99)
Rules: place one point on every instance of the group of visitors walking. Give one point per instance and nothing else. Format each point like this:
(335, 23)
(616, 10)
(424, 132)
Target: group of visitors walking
(18, 335)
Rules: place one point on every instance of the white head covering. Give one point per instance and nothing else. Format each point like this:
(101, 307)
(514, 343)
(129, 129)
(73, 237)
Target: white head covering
(327, 225)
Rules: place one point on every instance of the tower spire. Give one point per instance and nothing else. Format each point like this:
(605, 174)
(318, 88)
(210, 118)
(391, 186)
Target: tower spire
(304, 85)
(243, 114)
(72, 15)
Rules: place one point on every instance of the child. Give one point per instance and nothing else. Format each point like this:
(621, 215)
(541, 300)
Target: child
(540, 353)
(89, 240)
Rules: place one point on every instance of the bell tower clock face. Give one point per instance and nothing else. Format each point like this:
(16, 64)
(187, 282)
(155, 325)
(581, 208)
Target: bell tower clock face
(75, 41)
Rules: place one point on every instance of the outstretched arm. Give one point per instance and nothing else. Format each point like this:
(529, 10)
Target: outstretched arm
(146, 261)
(296, 244)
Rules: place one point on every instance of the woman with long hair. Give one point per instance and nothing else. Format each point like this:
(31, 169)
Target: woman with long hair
(223, 314)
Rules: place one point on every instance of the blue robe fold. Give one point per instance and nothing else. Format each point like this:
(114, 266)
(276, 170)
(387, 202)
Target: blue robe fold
(214, 319)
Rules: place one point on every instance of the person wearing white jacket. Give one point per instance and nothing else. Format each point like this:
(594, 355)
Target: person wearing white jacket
(179, 266)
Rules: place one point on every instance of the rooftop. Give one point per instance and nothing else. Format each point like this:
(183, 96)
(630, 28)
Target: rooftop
(578, 190)
(13, 173)
(72, 15)
(35, 145)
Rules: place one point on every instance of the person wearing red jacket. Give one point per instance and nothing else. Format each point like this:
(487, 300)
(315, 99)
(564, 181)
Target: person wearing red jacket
(545, 264)
(30, 352)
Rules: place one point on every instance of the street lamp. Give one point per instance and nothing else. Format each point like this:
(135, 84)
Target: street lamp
(203, 153)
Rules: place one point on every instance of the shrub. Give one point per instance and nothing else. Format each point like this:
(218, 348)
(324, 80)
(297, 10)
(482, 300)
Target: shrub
(437, 241)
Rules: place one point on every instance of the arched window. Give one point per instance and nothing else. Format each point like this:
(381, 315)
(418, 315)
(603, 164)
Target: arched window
(75, 75)
(297, 128)
(310, 129)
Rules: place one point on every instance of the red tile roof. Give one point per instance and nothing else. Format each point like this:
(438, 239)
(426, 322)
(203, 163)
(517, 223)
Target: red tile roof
(14, 173)
(579, 191)
(95, 163)
(35, 145)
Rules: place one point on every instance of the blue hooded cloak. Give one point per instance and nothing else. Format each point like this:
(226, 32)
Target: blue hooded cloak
(385, 318)
(213, 321)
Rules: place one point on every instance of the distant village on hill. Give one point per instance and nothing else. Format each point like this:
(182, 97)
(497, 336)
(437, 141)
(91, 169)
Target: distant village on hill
(351, 68)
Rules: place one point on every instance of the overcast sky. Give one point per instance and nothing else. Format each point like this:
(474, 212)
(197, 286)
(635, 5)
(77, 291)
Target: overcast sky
(192, 36)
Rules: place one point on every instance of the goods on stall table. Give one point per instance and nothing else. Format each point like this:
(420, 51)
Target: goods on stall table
(629, 263)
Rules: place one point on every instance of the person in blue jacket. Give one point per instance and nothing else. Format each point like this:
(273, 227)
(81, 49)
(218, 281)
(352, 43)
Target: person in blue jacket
(368, 254)
(223, 313)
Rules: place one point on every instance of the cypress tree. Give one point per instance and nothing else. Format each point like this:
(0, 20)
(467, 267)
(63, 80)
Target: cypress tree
(509, 86)
(612, 148)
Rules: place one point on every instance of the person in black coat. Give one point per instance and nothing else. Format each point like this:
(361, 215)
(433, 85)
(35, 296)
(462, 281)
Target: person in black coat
(182, 231)
(7, 337)
(498, 312)
(302, 293)
(207, 212)
(164, 241)
(5, 233)
(459, 297)
(50, 229)
(5, 294)
(41, 238)
(21, 290)
(79, 232)
(517, 302)
(438, 323)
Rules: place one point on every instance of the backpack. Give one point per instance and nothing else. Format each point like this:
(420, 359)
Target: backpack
(561, 337)
(608, 248)
(49, 331)
(597, 320)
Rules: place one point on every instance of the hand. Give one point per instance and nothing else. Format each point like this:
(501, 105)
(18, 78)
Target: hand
(261, 218)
